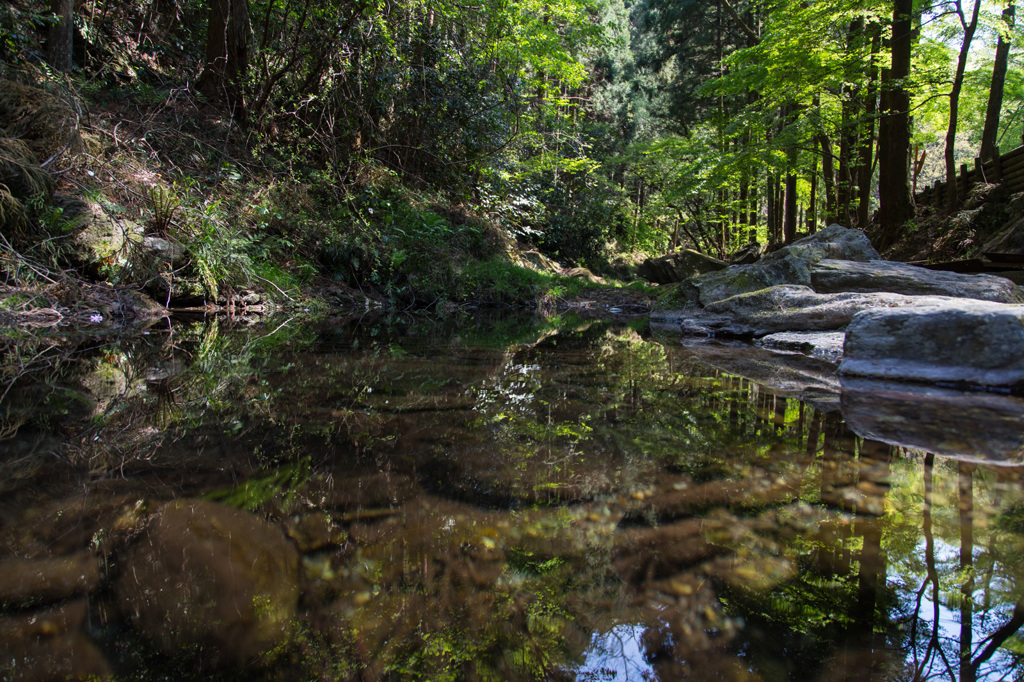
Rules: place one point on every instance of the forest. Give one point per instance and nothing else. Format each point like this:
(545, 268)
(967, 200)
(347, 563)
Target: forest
(404, 148)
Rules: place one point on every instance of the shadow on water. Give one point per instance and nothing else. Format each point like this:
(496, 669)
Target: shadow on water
(483, 499)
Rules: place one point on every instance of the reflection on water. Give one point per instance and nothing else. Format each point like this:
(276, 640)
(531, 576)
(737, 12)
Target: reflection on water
(492, 500)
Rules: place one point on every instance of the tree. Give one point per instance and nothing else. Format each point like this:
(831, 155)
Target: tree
(952, 191)
(895, 201)
(227, 56)
(62, 33)
(995, 94)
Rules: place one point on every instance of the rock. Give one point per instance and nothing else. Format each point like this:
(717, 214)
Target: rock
(957, 341)
(743, 279)
(797, 308)
(830, 276)
(100, 239)
(26, 582)
(835, 242)
(536, 260)
(206, 577)
(314, 531)
(969, 426)
(826, 345)
(747, 255)
(585, 275)
(50, 645)
(678, 267)
(164, 250)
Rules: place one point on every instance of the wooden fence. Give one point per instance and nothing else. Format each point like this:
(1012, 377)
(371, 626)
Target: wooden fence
(1006, 169)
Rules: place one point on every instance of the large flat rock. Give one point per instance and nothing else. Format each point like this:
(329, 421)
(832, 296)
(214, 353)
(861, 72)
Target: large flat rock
(784, 308)
(832, 276)
(951, 341)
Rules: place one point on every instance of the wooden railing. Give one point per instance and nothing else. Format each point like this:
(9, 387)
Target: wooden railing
(1006, 169)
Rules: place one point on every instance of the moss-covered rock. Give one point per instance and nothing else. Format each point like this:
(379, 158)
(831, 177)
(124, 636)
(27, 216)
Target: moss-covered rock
(99, 239)
(743, 279)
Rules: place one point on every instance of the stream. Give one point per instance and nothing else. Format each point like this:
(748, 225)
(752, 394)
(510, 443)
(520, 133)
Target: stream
(495, 498)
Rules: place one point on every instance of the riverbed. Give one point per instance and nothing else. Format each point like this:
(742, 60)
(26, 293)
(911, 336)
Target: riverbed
(496, 498)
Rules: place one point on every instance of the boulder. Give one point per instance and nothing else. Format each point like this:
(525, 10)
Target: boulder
(830, 276)
(954, 341)
(99, 238)
(742, 279)
(678, 267)
(535, 260)
(747, 255)
(584, 274)
(794, 308)
(209, 578)
(835, 242)
(164, 250)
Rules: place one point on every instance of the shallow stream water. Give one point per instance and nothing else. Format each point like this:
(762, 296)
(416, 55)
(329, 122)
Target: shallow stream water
(494, 499)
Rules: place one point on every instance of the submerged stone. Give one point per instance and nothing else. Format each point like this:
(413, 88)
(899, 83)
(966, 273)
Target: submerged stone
(50, 645)
(953, 341)
(210, 578)
(39, 581)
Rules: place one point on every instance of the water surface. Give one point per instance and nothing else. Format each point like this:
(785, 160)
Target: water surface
(493, 499)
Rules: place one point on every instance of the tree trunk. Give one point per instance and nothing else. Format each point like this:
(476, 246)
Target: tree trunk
(227, 55)
(828, 177)
(952, 190)
(895, 201)
(851, 123)
(789, 222)
(865, 162)
(990, 134)
(62, 32)
(812, 205)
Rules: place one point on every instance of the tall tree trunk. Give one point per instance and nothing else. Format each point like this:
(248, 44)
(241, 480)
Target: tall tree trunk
(952, 191)
(865, 161)
(227, 55)
(789, 222)
(990, 134)
(812, 205)
(851, 123)
(896, 204)
(62, 33)
(828, 177)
